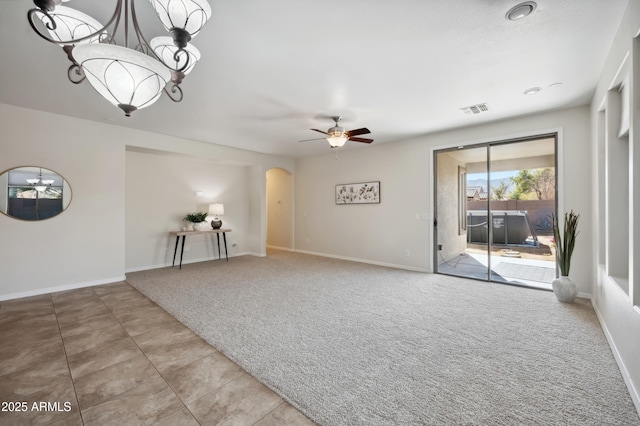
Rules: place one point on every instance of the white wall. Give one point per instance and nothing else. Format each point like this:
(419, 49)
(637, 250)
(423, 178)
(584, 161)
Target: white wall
(161, 190)
(257, 208)
(380, 233)
(377, 233)
(615, 308)
(86, 245)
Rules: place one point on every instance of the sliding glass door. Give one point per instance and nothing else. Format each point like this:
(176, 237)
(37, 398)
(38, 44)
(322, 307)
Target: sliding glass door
(493, 205)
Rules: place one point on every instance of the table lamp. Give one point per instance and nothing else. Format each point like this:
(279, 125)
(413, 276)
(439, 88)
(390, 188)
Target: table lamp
(216, 210)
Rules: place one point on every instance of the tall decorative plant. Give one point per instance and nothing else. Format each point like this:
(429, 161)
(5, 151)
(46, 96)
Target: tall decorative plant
(566, 240)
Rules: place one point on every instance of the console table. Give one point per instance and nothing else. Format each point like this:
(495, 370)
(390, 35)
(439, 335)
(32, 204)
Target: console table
(184, 234)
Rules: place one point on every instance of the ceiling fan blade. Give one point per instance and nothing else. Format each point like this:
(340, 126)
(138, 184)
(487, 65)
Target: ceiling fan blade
(323, 132)
(365, 140)
(357, 132)
(309, 140)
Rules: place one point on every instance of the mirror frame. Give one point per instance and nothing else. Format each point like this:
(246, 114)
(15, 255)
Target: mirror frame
(65, 182)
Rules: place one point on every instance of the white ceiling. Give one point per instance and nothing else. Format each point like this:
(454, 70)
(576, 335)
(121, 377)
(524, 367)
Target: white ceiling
(271, 69)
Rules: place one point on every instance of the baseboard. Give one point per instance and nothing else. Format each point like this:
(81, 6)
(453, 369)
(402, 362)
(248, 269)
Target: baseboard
(635, 394)
(371, 262)
(47, 290)
(185, 262)
(280, 248)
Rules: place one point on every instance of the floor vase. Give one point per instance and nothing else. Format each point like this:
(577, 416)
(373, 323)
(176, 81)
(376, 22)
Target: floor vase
(564, 289)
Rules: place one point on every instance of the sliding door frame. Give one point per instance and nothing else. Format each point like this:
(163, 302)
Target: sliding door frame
(556, 134)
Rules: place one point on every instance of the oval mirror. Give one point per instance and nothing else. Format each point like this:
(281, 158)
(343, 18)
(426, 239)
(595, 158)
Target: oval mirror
(33, 193)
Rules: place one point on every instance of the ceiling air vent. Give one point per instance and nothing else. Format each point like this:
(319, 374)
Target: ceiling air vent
(475, 109)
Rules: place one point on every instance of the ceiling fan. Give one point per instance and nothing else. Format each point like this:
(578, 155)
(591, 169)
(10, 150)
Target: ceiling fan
(338, 136)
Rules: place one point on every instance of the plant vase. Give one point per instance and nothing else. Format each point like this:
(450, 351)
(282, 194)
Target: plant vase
(564, 289)
(196, 220)
(565, 239)
(200, 226)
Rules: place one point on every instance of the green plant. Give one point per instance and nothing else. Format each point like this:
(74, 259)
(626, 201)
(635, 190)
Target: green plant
(195, 217)
(566, 241)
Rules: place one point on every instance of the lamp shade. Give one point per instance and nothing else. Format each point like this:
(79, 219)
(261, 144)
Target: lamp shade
(165, 48)
(188, 15)
(216, 209)
(71, 25)
(127, 78)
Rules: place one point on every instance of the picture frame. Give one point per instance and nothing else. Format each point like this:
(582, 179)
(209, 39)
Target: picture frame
(358, 193)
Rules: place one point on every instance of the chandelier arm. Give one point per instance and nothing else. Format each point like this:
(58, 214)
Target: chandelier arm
(115, 21)
(176, 57)
(171, 93)
(75, 72)
(30, 17)
(143, 45)
(32, 12)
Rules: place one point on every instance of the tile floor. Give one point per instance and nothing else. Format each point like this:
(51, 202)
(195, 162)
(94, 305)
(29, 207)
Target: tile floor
(108, 355)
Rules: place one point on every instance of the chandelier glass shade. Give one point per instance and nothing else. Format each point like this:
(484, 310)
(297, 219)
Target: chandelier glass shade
(72, 25)
(129, 78)
(171, 55)
(187, 15)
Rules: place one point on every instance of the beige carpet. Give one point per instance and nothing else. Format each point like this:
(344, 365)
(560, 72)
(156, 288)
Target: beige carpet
(355, 344)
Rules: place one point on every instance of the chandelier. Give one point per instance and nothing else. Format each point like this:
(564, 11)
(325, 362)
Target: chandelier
(40, 184)
(129, 78)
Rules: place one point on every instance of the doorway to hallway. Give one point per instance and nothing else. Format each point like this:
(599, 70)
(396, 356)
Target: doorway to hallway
(279, 209)
(493, 208)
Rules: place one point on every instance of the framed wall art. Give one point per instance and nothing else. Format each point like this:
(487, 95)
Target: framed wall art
(358, 193)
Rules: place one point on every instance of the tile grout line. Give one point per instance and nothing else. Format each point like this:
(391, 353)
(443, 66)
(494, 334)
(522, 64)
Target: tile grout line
(245, 373)
(266, 414)
(147, 358)
(66, 356)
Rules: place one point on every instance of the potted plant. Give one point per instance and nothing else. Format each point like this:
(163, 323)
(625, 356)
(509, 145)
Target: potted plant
(565, 289)
(195, 219)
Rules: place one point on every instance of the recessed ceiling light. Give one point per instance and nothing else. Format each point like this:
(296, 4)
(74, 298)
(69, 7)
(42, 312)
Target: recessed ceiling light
(532, 90)
(559, 83)
(521, 10)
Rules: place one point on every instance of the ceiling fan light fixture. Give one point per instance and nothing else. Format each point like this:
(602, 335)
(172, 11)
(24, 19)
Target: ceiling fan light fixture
(337, 141)
(521, 11)
(337, 137)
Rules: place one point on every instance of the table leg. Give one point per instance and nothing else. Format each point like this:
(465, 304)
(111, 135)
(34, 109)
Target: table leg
(219, 255)
(175, 250)
(226, 253)
(184, 237)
